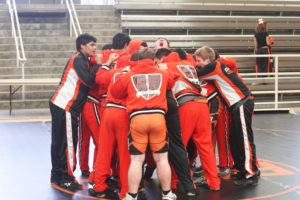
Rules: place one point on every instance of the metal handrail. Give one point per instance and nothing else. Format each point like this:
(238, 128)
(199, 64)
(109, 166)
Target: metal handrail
(276, 75)
(21, 58)
(73, 15)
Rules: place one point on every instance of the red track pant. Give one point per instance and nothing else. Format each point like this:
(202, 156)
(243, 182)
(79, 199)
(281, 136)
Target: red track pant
(195, 123)
(222, 136)
(89, 126)
(113, 131)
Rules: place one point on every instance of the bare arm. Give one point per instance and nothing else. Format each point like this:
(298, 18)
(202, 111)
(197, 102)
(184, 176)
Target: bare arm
(255, 44)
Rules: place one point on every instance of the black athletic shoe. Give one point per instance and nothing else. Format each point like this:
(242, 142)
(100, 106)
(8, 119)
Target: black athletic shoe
(198, 172)
(223, 171)
(70, 185)
(54, 180)
(240, 175)
(85, 173)
(141, 194)
(108, 194)
(200, 181)
(247, 181)
(111, 183)
(237, 176)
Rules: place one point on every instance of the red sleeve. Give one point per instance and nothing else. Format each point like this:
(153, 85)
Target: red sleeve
(93, 60)
(119, 88)
(103, 77)
(171, 79)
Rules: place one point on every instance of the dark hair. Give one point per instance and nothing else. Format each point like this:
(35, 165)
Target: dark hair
(143, 54)
(144, 44)
(83, 39)
(162, 52)
(217, 55)
(120, 40)
(181, 53)
(107, 47)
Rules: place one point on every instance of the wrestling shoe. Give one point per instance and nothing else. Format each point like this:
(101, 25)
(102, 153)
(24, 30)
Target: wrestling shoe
(107, 194)
(223, 171)
(253, 180)
(169, 196)
(70, 185)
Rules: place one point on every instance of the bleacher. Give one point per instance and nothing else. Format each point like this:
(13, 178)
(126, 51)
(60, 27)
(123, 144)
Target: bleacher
(227, 26)
(48, 46)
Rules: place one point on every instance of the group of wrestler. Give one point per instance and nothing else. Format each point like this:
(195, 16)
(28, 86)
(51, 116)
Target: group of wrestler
(148, 109)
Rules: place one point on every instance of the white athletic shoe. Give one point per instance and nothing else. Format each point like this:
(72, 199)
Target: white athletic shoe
(169, 196)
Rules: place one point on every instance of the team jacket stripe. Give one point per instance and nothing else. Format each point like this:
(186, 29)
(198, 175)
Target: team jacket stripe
(67, 93)
(225, 88)
(229, 85)
(248, 153)
(93, 99)
(180, 86)
(110, 104)
(96, 114)
(212, 95)
(70, 147)
(151, 111)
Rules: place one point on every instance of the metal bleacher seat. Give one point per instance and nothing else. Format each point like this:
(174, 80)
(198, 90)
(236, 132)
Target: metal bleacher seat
(230, 5)
(225, 25)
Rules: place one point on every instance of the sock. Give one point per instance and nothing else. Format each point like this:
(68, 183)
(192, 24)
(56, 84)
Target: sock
(166, 192)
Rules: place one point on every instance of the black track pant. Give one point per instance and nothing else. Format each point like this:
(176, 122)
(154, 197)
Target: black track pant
(241, 139)
(177, 153)
(63, 144)
(262, 62)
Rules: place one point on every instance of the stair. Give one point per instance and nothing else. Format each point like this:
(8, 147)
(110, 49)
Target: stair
(48, 46)
(99, 21)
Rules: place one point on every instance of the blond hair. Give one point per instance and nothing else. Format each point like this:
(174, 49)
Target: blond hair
(206, 52)
(142, 54)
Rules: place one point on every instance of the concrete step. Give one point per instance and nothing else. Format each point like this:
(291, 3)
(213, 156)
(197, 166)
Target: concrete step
(7, 54)
(44, 26)
(7, 40)
(54, 47)
(7, 47)
(32, 71)
(102, 32)
(7, 62)
(50, 47)
(49, 40)
(46, 62)
(4, 19)
(29, 94)
(94, 7)
(4, 13)
(5, 25)
(5, 33)
(32, 104)
(31, 33)
(49, 54)
(59, 40)
(103, 25)
(99, 13)
(85, 19)
(36, 62)
(42, 19)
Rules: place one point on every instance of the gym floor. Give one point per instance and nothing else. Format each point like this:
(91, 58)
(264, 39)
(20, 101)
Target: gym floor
(25, 161)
